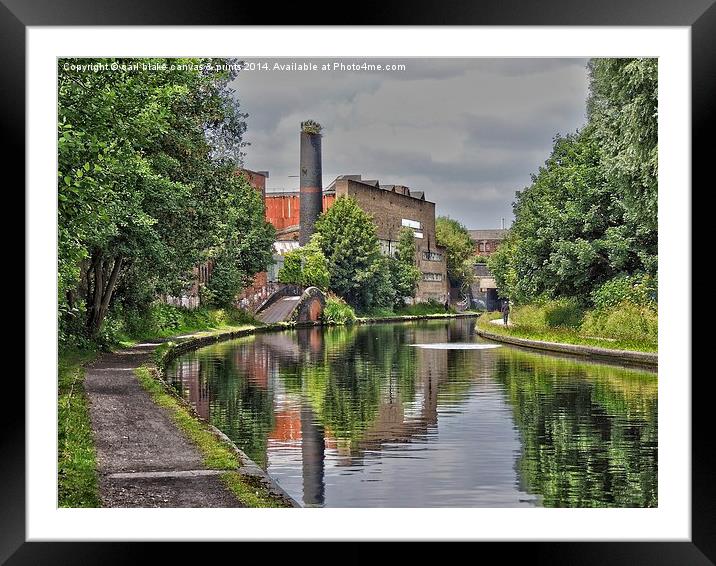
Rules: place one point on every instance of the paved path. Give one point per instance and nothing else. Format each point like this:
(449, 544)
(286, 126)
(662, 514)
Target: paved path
(280, 310)
(501, 322)
(143, 459)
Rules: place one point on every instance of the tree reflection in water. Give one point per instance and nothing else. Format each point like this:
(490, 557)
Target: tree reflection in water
(587, 433)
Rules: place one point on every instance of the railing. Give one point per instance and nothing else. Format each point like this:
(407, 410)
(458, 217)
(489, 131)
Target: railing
(253, 300)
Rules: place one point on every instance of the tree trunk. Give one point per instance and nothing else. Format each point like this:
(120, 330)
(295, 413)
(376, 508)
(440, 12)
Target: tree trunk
(99, 294)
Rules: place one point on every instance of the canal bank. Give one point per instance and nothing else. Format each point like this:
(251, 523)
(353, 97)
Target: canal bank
(648, 360)
(152, 447)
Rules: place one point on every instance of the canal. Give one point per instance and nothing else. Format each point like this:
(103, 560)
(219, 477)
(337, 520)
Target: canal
(427, 414)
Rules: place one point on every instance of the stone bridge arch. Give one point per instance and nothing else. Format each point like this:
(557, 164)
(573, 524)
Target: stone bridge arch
(293, 304)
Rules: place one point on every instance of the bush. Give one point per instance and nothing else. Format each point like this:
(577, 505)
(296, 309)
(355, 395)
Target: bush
(430, 306)
(306, 266)
(637, 289)
(71, 331)
(551, 314)
(564, 312)
(378, 312)
(160, 320)
(337, 311)
(529, 316)
(225, 282)
(626, 321)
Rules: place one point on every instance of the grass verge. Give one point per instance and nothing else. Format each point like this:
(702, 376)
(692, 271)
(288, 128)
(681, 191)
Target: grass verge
(565, 335)
(166, 321)
(250, 491)
(217, 455)
(77, 483)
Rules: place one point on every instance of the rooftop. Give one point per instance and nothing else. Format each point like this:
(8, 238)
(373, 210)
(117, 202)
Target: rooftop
(497, 234)
(400, 189)
(331, 189)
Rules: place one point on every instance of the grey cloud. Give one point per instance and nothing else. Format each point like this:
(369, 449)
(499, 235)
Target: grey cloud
(469, 132)
(498, 167)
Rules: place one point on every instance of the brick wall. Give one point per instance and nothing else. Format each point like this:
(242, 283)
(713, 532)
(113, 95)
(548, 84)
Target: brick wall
(486, 247)
(259, 290)
(284, 209)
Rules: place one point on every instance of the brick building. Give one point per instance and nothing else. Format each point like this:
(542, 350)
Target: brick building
(487, 241)
(283, 210)
(392, 207)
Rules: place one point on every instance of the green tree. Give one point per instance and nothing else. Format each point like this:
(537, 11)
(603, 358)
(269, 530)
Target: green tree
(306, 266)
(502, 265)
(358, 272)
(589, 216)
(405, 274)
(623, 110)
(459, 249)
(147, 185)
(244, 246)
(562, 221)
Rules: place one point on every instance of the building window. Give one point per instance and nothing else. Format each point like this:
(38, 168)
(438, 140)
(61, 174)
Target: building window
(418, 235)
(481, 247)
(411, 223)
(432, 276)
(432, 256)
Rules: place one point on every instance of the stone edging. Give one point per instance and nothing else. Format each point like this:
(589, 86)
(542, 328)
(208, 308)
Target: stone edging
(409, 317)
(194, 342)
(248, 467)
(648, 359)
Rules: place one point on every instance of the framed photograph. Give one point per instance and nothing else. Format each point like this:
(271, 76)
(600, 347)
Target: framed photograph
(425, 278)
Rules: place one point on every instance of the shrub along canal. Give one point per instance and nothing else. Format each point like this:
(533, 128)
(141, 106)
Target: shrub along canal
(426, 414)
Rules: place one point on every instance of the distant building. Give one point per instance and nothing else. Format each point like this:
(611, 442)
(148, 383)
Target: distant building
(484, 290)
(487, 241)
(392, 207)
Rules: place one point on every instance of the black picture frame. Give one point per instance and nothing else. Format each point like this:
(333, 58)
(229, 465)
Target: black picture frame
(699, 15)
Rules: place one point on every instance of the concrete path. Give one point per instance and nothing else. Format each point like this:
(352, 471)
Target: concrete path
(143, 459)
(501, 322)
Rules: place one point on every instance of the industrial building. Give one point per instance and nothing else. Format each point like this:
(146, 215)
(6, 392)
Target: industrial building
(294, 213)
(392, 207)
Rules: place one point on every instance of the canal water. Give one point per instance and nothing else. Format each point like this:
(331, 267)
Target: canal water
(427, 414)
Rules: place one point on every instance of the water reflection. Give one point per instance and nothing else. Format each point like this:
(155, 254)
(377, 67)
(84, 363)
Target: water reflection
(356, 416)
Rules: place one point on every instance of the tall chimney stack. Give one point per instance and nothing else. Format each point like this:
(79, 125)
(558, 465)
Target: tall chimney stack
(311, 176)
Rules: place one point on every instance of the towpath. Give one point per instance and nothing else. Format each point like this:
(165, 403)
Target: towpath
(143, 459)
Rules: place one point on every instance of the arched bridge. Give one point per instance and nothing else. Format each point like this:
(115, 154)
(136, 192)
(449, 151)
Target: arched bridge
(292, 304)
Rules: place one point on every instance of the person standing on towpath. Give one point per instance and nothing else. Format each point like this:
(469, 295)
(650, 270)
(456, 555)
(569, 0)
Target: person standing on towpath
(505, 311)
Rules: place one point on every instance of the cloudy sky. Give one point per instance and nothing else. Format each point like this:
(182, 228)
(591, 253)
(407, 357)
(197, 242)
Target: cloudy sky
(468, 132)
